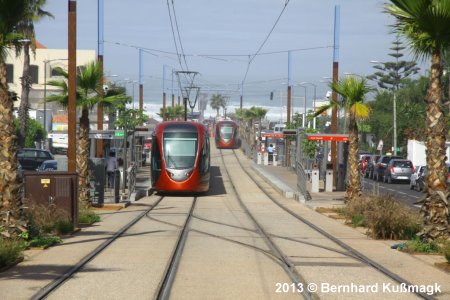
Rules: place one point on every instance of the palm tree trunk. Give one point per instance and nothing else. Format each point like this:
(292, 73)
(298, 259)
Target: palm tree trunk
(83, 158)
(435, 207)
(11, 217)
(24, 99)
(354, 180)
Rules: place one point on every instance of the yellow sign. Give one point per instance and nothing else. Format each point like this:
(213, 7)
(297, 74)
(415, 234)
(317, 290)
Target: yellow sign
(45, 182)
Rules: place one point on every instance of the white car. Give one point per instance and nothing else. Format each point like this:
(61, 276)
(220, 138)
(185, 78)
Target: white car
(418, 171)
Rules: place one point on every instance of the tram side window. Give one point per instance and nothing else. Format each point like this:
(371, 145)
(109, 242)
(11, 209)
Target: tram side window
(156, 157)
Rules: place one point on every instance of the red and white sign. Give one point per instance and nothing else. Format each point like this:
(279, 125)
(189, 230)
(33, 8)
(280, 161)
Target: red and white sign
(273, 135)
(328, 137)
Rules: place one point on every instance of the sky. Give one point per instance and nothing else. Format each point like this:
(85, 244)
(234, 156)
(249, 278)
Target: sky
(219, 37)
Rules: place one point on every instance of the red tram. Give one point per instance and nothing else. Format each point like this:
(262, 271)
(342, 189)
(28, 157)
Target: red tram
(180, 160)
(226, 134)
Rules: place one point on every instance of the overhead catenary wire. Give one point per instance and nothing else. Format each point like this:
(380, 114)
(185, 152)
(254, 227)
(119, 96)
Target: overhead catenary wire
(252, 57)
(174, 36)
(214, 56)
(179, 36)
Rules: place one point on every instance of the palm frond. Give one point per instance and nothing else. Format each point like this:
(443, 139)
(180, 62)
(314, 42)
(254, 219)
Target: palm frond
(360, 110)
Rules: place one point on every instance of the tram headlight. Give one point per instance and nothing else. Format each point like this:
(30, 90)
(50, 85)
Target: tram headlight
(171, 175)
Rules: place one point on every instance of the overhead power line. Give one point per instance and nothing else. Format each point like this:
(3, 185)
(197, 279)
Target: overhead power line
(265, 40)
(173, 35)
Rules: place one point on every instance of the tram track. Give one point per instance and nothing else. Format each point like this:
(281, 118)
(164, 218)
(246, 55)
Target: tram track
(287, 265)
(350, 250)
(47, 290)
(163, 289)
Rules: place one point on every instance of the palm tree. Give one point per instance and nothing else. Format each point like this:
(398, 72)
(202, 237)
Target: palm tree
(11, 218)
(172, 113)
(240, 115)
(426, 25)
(353, 91)
(33, 13)
(249, 116)
(217, 101)
(259, 113)
(88, 95)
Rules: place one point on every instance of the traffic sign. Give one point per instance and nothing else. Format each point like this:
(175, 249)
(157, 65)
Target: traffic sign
(119, 133)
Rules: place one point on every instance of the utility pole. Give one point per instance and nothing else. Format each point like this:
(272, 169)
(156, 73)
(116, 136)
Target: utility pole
(141, 82)
(334, 94)
(99, 151)
(72, 86)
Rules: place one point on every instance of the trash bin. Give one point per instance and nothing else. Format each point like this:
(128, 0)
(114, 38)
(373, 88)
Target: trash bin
(54, 187)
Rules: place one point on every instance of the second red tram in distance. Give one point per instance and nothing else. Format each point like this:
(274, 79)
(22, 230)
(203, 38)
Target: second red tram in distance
(180, 160)
(226, 135)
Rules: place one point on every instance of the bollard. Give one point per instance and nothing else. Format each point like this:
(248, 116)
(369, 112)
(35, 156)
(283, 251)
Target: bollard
(258, 158)
(329, 180)
(266, 158)
(275, 163)
(315, 181)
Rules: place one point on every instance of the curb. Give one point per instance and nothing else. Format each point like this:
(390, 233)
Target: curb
(278, 185)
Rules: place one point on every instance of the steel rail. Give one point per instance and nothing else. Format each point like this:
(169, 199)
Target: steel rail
(48, 289)
(169, 277)
(288, 266)
(361, 257)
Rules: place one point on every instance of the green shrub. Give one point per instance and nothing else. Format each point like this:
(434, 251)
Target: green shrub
(384, 217)
(389, 219)
(11, 250)
(45, 241)
(64, 226)
(359, 220)
(417, 245)
(44, 220)
(87, 216)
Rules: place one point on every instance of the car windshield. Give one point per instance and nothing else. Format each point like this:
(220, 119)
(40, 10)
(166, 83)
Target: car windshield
(402, 164)
(180, 149)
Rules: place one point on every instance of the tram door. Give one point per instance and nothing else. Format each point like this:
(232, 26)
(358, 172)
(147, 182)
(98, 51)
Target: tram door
(155, 161)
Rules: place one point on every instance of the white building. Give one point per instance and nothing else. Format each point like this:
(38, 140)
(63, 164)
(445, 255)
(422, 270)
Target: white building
(41, 66)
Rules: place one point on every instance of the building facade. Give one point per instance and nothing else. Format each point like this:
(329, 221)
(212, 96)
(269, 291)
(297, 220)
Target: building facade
(42, 65)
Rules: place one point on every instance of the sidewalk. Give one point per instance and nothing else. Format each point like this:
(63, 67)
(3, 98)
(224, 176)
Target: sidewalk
(284, 180)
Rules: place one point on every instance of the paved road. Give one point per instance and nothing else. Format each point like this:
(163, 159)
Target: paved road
(399, 190)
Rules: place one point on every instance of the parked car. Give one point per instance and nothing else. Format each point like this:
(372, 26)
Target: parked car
(398, 169)
(31, 159)
(413, 180)
(48, 165)
(422, 179)
(368, 172)
(380, 166)
(363, 162)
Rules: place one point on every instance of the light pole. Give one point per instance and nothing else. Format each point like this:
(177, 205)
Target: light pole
(304, 116)
(314, 100)
(394, 111)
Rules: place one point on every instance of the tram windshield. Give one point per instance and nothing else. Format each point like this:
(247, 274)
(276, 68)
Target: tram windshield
(226, 131)
(180, 149)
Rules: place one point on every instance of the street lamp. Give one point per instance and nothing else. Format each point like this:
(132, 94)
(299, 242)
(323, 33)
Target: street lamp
(45, 92)
(304, 117)
(314, 99)
(394, 112)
